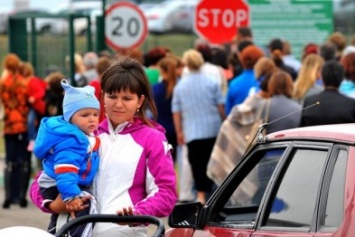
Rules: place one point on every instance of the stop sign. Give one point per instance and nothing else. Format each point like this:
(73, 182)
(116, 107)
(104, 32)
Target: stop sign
(218, 21)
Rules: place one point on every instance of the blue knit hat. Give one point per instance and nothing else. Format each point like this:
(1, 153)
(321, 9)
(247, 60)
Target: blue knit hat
(76, 98)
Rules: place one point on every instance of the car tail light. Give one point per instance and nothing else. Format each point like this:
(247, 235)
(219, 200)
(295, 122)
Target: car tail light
(153, 17)
(183, 15)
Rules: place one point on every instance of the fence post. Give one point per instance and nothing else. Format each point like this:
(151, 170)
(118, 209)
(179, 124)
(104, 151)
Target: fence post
(18, 38)
(34, 45)
(71, 49)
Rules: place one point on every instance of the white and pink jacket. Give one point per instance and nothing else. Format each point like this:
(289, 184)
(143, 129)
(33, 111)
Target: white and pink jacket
(136, 169)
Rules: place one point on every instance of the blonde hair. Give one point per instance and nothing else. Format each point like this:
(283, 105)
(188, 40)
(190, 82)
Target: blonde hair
(307, 76)
(192, 59)
(78, 62)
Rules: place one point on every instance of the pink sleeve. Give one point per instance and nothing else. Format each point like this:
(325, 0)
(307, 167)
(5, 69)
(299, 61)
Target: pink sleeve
(36, 197)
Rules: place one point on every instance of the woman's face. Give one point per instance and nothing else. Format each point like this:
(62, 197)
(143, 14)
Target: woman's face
(121, 106)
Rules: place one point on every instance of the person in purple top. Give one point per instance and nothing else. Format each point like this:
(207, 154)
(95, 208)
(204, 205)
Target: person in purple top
(136, 174)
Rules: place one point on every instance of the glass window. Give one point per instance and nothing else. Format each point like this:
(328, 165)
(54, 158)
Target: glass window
(250, 191)
(335, 202)
(296, 197)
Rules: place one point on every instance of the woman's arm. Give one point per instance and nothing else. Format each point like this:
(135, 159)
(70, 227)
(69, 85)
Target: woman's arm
(178, 128)
(160, 180)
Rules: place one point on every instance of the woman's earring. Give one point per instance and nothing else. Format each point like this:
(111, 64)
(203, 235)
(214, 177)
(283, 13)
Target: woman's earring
(137, 110)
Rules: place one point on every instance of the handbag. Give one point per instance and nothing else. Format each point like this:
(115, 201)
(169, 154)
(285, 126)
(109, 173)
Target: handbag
(235, 136)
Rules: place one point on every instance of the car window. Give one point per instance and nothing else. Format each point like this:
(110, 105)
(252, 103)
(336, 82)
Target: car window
(251, 190)
(294, 204)
(243, 204)
(335, 201)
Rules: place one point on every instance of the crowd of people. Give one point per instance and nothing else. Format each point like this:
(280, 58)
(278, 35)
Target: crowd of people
(155, 110)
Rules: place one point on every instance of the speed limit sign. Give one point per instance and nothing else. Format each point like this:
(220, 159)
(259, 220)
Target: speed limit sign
(125, 26)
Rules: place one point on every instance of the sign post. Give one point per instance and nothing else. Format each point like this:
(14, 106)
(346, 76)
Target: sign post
(125, 26)
(218, 21)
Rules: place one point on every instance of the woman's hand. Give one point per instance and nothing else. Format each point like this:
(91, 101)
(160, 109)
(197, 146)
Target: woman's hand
(127, 212)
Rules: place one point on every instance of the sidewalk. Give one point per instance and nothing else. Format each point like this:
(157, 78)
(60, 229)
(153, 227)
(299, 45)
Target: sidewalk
(16, 216)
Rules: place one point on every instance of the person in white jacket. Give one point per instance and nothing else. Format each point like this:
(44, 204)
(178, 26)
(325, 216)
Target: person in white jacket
(136, 174)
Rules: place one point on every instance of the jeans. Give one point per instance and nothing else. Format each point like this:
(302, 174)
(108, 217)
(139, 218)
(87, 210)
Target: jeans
(31, 124)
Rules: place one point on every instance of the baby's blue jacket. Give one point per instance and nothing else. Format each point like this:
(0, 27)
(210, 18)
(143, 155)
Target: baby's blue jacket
(63, 149)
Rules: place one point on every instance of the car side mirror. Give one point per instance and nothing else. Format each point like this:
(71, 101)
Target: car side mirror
(185, 215)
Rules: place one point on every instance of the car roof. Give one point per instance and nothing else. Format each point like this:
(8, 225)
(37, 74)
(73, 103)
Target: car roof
(338, 132)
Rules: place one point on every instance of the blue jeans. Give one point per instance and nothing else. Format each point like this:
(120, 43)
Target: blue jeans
(31, 124)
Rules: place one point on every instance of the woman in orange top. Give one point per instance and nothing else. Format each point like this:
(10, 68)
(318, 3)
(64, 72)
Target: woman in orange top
(13, 93)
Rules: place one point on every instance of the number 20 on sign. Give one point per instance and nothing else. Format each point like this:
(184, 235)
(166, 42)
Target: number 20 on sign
(125, 26)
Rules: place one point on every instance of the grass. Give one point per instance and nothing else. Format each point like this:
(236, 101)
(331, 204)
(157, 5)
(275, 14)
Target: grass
(51, 50)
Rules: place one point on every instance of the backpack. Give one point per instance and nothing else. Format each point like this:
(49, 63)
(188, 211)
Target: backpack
(236, 134)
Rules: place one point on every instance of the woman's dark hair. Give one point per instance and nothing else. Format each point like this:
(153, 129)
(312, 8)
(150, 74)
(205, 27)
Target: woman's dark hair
(276, 51)
(53, 81)
(128, 74)
(155, 54)
(280, 83)
(243, 44)
(205, 51)
(169, 65)
(220, 57)
(102, 65)
(348, 63)
(263, 69)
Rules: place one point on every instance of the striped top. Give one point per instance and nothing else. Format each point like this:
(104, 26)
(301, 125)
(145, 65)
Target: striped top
(197, 97)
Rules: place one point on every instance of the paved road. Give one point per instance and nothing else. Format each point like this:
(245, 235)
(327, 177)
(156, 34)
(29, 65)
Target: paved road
(30, 216)
(16, 216)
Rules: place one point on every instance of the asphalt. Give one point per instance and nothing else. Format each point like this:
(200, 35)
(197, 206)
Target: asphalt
(31, 216)
(16, 216)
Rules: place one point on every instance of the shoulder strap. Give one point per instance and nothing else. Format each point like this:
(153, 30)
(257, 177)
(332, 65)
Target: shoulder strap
(266, 112)
(263, 110)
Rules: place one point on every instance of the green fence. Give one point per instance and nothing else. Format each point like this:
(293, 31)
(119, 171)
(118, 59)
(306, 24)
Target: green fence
(52, 49)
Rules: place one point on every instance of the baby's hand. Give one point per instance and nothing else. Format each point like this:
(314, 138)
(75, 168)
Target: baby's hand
(74, 205)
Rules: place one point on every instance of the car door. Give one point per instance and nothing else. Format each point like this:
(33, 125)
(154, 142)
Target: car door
(274, 192)
(233, 209)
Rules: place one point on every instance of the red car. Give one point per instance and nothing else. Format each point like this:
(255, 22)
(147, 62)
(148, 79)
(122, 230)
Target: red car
(298, 183)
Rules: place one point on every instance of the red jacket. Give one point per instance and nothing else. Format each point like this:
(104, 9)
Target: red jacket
(97, 86)
(37, 90)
